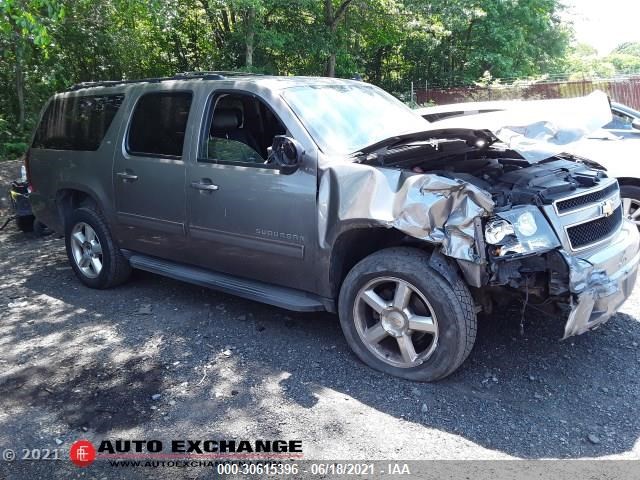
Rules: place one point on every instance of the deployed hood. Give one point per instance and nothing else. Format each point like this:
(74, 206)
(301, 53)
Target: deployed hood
(540, 129)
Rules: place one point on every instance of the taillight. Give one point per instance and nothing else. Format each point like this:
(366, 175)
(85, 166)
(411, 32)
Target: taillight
(27, 169)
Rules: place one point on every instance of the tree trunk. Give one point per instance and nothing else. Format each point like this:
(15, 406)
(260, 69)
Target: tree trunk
(330, 71)
(332, 20)
(19, 84)
(250, 36)
(377, 65)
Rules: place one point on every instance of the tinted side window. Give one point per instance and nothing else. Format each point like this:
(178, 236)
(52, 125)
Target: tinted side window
(240, 129)
(77, 123)
(159, 124)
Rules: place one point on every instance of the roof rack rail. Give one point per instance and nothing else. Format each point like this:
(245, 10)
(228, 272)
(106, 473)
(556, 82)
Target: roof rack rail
(223, 73)
(204, 75)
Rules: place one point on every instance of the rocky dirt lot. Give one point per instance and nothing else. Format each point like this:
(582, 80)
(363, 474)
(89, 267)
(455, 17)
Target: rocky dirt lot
(157, 358)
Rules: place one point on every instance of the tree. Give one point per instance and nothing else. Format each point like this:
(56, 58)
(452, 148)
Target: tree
(332, 18)
(628, 48)
(47, 45)
(25, 23)
(626, 58)
(584, 61)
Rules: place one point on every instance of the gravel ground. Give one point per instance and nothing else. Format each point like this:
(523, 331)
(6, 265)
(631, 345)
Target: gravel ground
(79, 363)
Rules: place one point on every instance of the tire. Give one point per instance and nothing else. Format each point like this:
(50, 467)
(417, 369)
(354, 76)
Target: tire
(40, 229)
(114, 267)
(631, 203)
(439, 318)
(25, 223)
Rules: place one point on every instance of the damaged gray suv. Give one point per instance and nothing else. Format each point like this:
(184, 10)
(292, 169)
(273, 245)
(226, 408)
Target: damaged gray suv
(317, 194)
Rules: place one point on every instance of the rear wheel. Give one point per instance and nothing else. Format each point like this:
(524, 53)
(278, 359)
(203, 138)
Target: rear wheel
(631, 202)
(402, 318)
(94, 256)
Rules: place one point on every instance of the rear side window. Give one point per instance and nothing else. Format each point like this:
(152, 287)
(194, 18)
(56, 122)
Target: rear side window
(76, 123)
(159, 124)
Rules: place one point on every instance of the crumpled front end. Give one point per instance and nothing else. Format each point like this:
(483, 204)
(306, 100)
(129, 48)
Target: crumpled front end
(427, 207)
(601, 281)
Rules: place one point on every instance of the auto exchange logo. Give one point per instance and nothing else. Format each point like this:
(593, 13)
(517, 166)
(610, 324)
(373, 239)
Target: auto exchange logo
(83, 453)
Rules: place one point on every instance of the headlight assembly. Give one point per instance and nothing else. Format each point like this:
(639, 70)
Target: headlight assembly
(496, 230)
(526, 224)
(519, 231)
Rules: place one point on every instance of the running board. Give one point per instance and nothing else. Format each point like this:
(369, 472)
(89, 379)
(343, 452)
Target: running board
(282, 297)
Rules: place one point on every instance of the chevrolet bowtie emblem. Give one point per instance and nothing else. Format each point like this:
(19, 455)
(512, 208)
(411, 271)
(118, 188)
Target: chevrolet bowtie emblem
(607, 207)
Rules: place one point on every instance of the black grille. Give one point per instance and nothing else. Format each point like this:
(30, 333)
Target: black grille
(595, 230)
(593, 197)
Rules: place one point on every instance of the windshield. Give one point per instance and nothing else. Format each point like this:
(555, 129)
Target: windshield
(342, 119)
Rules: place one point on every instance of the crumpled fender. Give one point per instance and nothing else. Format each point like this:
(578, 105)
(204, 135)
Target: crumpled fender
(428, 207)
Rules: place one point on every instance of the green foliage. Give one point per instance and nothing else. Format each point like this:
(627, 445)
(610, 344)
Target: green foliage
(584, 61)
(625, 63)
(628, 48)
(11, 143)
(47, 45)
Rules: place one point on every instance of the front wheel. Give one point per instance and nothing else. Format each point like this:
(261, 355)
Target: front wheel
(631, 202)
(94, 256)
(403, 318)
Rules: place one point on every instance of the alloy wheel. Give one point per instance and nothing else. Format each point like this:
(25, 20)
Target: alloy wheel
(631, 208)
(86, 250)
(395, 322)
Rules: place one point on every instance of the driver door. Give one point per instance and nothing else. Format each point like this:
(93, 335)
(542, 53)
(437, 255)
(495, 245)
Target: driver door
(245, 218)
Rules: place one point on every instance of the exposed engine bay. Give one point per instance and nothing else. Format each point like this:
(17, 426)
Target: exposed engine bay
(514, 181)
(522, 247)
(523, 242)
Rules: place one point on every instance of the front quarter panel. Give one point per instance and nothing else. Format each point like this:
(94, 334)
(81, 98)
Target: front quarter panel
(428, 207)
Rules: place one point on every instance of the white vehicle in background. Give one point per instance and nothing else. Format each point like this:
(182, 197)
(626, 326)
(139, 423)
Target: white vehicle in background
(615, 146)
(625, 120)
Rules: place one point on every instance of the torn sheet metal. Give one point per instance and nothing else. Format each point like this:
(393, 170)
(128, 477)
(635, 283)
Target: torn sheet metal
(601, 287)
(540, 129)
(425, 206)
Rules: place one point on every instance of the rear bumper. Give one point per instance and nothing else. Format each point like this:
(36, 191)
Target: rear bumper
(602, 280)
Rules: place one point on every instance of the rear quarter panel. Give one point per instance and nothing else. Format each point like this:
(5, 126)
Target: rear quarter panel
(52, 171)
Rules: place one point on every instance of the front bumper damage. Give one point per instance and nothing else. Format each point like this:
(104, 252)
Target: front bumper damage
(602, 280)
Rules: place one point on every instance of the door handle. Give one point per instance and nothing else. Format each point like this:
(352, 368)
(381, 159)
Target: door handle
(127, 176)
(204, 186)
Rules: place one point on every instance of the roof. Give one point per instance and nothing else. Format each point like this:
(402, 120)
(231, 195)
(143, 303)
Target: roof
(275, 82)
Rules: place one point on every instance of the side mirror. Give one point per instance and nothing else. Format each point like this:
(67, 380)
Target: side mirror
(287, 154)
(636, 124)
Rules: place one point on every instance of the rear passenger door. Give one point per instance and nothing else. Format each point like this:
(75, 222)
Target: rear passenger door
(149, 175)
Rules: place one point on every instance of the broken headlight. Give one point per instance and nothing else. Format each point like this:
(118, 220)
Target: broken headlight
(520, 230)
